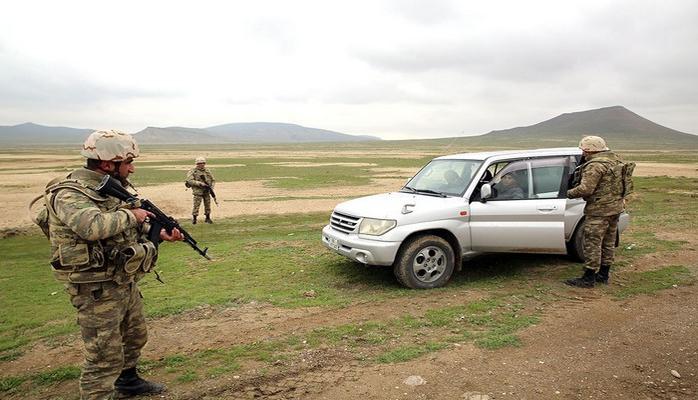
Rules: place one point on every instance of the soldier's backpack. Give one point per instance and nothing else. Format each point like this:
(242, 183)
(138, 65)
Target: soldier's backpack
(623, 171)
(627, 170)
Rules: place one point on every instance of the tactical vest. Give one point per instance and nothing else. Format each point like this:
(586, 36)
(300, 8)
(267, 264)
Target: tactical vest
(607, 199)
(76, 260)
(199, 175)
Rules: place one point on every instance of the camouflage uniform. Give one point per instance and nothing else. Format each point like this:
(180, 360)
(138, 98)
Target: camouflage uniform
(601, 188)
(89, 235)
(199, 180)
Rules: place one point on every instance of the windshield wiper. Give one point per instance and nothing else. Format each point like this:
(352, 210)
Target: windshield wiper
(423, 191)
(429, 191)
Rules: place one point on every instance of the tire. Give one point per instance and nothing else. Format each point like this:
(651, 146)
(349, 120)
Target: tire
(575, 247)
(424, 262)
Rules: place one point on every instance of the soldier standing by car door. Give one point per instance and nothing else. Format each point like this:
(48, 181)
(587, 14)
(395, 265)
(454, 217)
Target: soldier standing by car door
(201, 181)
(602, 187)
(100, 251)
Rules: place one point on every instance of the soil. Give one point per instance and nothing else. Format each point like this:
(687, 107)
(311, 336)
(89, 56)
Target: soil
(586, 344)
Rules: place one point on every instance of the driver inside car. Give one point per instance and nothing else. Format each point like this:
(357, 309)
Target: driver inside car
(508, 188)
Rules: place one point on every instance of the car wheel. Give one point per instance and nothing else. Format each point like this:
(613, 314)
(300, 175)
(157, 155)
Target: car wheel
(424, 262)
(575, 247)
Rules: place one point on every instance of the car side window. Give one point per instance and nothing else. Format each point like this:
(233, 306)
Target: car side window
(548, 175)
(511, 182)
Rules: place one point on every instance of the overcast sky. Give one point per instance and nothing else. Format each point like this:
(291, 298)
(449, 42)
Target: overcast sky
(391, 68)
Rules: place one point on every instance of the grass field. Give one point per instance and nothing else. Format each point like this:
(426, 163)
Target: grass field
(277, 259)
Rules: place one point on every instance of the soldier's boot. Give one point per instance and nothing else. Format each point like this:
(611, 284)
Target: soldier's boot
(602, 275)
(193, 219)
(208, 219)
(130, 384)
(585, 281)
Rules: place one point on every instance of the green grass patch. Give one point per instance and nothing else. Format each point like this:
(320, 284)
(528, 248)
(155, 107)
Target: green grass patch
(649, 282)
(57, 375)
(9, 384)
(497, 341)
(406, 353)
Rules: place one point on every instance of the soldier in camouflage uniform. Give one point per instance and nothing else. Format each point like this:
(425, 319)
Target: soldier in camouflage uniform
(601, 186)
(100, 251)
(200, 180)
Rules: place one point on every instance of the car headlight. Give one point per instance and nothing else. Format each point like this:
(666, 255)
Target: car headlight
(376, 227)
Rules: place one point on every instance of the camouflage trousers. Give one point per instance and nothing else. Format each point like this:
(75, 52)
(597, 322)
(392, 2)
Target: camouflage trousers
(113, 331)
(599, 240)
(197, 203)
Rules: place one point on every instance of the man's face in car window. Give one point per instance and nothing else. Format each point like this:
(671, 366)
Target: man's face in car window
(508, 181)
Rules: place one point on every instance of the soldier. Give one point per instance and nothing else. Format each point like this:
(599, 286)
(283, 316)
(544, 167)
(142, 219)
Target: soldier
(200, 180)
(602, 188)
(100, 251)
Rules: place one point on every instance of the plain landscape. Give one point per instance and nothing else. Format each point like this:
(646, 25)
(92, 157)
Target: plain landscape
(276, 316)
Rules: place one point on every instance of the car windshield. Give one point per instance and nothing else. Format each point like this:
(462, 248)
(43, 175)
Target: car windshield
(443, 177)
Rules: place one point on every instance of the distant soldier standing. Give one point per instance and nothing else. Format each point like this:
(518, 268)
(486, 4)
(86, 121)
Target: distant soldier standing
(100, 251)
(602, 187)
(200, 180)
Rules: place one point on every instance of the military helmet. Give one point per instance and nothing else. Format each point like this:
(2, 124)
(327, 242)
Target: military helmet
(592, 144)
(111, 145)
(200, 160)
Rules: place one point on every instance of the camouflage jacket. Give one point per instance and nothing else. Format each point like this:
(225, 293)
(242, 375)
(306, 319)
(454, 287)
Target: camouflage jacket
(199, 179)
(85, 230)
(599, 186)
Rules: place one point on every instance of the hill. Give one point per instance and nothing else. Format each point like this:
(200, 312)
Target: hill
(175, 134)
(275, 132)
(30, 133)
(618, 125)
(251, 132)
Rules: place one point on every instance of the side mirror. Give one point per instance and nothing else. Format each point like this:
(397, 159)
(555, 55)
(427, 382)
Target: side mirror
(485, 192)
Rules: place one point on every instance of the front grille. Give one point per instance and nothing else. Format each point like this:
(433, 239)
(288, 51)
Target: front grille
(343, 222)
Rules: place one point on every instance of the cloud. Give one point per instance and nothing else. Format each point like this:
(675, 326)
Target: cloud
(393, 67)
(25, 82)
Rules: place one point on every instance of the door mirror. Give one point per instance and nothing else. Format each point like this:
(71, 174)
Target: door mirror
(485, 192)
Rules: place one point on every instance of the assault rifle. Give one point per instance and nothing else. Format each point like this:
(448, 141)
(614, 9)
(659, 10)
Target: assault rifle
(213, 194)
(111, 187)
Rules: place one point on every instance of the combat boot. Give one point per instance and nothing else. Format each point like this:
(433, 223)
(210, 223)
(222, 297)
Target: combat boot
(602, 275)
(585, 281)
(193, 219)
(208, 219)
(130, 384)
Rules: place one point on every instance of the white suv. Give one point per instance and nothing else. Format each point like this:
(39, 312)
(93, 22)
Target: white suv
(461, 205)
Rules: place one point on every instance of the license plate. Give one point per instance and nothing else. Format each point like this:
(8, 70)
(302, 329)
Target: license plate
(334, 244)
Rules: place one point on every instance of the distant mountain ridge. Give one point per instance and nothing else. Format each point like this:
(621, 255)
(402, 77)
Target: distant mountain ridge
(620, 127)
(245, 132)
(29, 133)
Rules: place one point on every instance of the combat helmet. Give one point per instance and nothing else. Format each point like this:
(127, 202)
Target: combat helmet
(200, 160)
(110, 145)
(592, 144)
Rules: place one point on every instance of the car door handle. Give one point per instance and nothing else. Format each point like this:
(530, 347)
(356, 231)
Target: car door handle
(547, 208)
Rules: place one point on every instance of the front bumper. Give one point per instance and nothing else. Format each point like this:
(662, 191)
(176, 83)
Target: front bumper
(372, 252)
